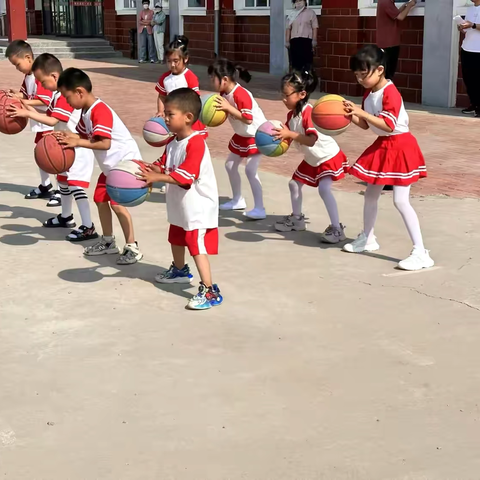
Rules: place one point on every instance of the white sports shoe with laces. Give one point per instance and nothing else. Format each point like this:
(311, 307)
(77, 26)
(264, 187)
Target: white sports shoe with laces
(360, 245)
(333, 234)
(234, 205)
(417, 260)
(255, 214)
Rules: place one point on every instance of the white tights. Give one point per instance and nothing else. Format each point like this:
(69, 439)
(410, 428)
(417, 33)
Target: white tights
(401, 200)
(251, 168)
(325, 191)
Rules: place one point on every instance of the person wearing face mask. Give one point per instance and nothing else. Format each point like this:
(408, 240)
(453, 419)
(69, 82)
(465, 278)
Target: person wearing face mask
(147, 43)
(158, 23)
(301, 36)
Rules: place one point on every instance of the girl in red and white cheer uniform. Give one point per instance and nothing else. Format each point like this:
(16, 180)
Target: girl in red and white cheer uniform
(245, 117)
(323, 164)
(393, 159)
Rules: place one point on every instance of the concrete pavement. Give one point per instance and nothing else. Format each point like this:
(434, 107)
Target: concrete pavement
(319, 365)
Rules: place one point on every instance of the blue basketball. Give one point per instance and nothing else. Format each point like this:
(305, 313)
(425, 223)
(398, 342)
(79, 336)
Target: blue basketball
(265, 139)
(123, 185)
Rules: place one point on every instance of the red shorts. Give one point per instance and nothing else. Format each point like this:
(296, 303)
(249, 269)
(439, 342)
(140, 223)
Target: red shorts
(101, 195)
(40, 135)
(198, 242)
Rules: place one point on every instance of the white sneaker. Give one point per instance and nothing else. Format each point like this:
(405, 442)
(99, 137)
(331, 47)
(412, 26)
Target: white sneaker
(333, 234)
(234, 205)
(417, 260)
(291, 223)
(256, 214)
(163, 189)
(360, 245)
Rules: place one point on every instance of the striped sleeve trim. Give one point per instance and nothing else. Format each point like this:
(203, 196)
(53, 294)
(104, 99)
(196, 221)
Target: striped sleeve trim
(185, 177)
(160, 89)
(389, 118)
(102, 131)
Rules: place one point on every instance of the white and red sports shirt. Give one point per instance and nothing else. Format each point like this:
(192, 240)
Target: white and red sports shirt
(194, 205)
(387, 103)
(101, 121)
(244, 102)
(62, 111)
(169, 82)
(325, 147)
(32, 89)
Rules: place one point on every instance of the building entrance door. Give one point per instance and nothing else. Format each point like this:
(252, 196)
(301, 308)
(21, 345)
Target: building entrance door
(73, 18)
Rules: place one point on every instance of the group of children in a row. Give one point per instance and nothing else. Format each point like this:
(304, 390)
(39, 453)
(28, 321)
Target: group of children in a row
(63, 101)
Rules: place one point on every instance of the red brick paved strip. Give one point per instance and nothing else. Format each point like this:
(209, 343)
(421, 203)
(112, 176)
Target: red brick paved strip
(449, 143)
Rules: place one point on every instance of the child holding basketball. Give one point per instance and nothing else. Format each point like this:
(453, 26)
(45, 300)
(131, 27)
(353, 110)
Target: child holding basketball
(393, 159)
(324, 162)
(61, 116)
(178, 76)
(192, 198)
(20, 55)
(245, 116)
(101, 130)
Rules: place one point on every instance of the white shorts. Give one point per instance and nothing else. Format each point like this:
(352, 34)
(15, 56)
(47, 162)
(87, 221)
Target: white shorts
(80, 172)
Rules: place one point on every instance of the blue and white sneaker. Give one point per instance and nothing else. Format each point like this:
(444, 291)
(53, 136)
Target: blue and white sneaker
(175, 275)
(205, 298)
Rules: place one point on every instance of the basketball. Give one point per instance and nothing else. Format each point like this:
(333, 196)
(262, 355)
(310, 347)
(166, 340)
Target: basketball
(52, 157)
(123, 185)
(264, 138)
(210, 116)
(328, 115)
(8, 125)
(156, 132)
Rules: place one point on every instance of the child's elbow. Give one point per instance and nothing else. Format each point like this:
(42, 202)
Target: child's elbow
(247, 121)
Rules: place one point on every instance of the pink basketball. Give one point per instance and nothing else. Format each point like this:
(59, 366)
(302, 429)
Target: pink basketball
(156, 133)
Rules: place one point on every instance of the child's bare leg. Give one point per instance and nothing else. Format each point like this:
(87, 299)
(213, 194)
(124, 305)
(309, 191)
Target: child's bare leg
(178, 253)
(105, 215)
(203, 267)
(126, 222)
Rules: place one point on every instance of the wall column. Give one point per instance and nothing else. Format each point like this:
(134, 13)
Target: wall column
(175, 18)
(278, 52)
(440, 54)
(17, 20)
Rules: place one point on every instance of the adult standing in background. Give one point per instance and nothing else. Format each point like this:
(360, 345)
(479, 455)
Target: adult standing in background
(470, 56)
(159, 22)
(301, 36)
(388, 31)
(147, 44)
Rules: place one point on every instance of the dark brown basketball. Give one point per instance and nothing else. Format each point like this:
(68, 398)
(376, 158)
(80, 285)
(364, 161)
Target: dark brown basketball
(51, 157)
(8, 125)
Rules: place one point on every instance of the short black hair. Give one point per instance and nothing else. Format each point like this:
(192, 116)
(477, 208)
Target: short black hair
(47, 63)
(18, 48)
(73, 78)
(367, 59)
(187, 101)
(222, 67)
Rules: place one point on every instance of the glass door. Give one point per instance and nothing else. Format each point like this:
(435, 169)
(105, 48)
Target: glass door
(73, 18)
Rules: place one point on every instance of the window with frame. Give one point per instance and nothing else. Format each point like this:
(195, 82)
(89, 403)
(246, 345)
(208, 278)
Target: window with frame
(129, 4)
(196, 3)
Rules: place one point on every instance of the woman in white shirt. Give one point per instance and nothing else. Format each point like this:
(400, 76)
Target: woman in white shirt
(470, 55)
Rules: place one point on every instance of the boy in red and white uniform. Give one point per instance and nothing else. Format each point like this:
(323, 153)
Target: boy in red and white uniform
(192, 197)
(62, 117)
(32, 94)
(101, 130)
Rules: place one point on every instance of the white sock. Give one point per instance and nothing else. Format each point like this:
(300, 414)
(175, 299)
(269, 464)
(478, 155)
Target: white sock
(66, 200)
(109, 239)
(231, 166)
(83, 205)
(296, 197)
(325, 191)
(251, 171)
(44, 179)
(401, 200)
(370, 210)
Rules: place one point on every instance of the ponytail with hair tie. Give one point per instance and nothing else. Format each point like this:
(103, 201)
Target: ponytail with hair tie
(305, 81)
(222, 67)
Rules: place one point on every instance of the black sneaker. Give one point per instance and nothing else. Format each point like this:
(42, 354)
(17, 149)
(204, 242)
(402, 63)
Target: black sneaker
(55, 199)
(82, 234)
(468, 110)
(44, 192)
(60, 222)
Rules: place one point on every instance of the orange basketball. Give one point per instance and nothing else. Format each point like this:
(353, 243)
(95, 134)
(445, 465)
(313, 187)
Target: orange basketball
(52, 157)
(328, 115)
(8, 125)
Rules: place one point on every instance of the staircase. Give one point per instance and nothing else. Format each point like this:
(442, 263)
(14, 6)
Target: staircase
(68, 47)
